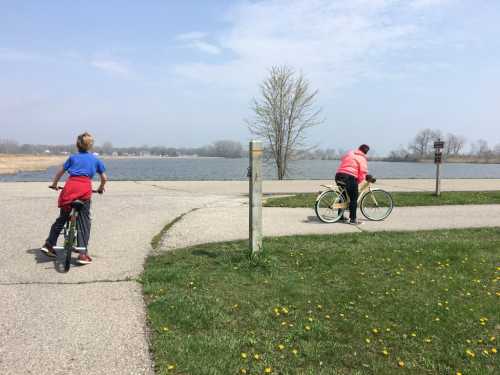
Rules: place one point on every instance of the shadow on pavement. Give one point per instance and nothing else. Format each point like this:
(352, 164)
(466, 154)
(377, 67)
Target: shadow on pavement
(41, 258)
(312, 219)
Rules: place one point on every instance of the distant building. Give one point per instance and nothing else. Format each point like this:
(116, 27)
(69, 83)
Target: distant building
(47, 151)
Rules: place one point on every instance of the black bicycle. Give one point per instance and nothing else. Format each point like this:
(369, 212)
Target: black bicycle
(70, 231)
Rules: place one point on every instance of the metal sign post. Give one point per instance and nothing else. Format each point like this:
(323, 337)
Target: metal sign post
(438, 157)
(255, 195)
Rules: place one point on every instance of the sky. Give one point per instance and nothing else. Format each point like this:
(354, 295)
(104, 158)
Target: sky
(184, 73)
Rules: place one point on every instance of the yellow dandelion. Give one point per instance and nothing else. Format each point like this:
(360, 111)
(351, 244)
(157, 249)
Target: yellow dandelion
(281, 347)
(486, 352)
(284, 310)
(165, 329)
(244, 355)
(307, 328)
(243, 371)
(367, 340)
(256, 356)
(310, 319)
(295, 351)
(401, 364)
(385, 352)
(428, 340)
(319, 307)
(436, 319)
(413, 334)
(375, 330)
(493, 350)
(171, 367)
(327, 316)
(492, 338)
(268, 370)
(458, 373)
(388, 330)
(470, 353)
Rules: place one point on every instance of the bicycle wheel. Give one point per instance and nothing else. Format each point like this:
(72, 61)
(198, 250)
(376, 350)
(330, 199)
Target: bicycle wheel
(330, 206)
(377, 204)
(70, 242)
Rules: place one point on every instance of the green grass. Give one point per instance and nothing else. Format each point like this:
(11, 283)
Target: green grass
(401, 199)
(334, 303)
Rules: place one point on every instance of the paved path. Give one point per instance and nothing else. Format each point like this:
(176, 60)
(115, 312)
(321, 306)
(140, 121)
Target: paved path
(92, 320)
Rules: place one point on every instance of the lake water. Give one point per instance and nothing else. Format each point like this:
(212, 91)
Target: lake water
(236, 169)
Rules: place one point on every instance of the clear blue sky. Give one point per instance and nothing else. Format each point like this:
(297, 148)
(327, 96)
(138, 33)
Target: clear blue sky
(183, 73)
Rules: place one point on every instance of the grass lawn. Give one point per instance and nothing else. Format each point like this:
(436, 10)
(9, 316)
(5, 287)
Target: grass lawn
(368, 303)
(401, 199)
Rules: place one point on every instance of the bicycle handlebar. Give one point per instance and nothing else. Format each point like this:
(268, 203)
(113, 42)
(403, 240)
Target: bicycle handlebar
(60, 188)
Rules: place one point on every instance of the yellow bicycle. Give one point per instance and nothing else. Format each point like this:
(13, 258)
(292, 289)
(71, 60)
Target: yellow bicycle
(375, 204)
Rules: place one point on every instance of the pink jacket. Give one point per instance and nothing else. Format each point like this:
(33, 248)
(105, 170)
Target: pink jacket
(355, 164)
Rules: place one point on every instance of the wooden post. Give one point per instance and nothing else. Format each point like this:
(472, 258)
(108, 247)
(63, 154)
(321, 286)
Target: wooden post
(438, 180)
(255, 196)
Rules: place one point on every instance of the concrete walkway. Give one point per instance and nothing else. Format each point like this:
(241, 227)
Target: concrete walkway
(92, 319)
(232, 222)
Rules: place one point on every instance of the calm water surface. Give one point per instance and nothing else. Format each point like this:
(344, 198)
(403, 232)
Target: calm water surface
(236, 169)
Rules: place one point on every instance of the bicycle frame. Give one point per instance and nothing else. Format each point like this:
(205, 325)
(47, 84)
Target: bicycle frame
(364, 188)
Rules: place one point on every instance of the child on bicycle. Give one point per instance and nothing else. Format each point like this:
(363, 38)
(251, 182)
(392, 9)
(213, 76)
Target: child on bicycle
(81, 168)
(352, 171)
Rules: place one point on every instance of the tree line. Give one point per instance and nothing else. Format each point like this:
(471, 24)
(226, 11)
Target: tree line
(455, 147)
(221, 148)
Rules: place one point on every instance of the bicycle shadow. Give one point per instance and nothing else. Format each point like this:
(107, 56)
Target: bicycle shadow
(41, 258)
(312, 219)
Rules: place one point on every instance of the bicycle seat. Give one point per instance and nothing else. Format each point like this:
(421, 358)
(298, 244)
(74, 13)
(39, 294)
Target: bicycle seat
(77, 205)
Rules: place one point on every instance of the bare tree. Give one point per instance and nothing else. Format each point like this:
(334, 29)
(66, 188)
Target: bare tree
(107, 148)
(283, 114)
(8, 146)
(480, 148)
(453, 144)
(228, 149)
(421, 145)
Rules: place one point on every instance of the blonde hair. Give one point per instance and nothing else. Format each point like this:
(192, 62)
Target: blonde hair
(84, 142)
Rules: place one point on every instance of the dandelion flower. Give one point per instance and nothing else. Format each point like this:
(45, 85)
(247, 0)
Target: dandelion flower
(268, 370)
(470, 353)
(367, 340)
(385, 352)
(281, 347)
(375, 330)
(256, 356)
(401, 364)
(307, 328)
(493, 350)
(327, 316)
(428, 340)
(171, 367)
(413, 334)
(243, 371)
(295, 351)
(244, 355)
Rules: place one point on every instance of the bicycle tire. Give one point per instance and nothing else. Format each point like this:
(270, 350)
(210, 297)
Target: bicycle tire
(324, 205)
(379, 199)
(69, 243)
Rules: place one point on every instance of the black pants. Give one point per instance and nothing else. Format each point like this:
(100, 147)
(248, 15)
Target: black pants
(82, 226)
(351, 185)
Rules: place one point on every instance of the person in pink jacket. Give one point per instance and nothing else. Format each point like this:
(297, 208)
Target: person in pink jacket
(352, 171)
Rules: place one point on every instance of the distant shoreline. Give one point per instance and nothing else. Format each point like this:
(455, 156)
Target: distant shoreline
(14, 163)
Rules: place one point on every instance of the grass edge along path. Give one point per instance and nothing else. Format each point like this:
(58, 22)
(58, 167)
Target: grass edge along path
(367, 303)
(401, 199)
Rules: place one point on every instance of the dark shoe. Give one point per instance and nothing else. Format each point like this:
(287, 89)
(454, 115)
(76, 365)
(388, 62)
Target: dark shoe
(84, 259)
(355, 222)
(48, 250)
(343, 219)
